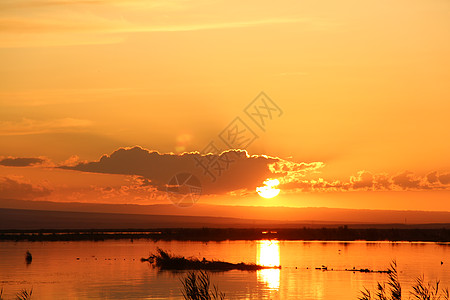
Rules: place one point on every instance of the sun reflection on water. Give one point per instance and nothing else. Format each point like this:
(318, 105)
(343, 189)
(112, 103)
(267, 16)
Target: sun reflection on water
(268, 255)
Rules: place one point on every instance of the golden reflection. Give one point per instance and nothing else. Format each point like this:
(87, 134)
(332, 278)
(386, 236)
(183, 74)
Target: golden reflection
(268, 255)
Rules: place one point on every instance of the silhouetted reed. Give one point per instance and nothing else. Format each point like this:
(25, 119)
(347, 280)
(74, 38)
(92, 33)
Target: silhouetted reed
(429, 291)
(391, 290)
(197, 286)
(22, 295)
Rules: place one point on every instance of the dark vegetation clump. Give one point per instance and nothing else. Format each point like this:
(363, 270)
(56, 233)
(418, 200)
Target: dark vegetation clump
(166, 261)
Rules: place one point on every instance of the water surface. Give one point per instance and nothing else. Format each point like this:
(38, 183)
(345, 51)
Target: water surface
(112, 269)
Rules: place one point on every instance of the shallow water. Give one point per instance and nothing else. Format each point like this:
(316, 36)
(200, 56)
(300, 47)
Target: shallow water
(112, 269)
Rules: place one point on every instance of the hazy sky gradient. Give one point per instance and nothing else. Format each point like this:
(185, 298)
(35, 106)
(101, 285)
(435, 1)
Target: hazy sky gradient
(363, 87)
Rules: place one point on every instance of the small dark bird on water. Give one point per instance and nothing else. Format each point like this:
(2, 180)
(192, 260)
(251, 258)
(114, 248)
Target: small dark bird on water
(442, 263)
(28, 257)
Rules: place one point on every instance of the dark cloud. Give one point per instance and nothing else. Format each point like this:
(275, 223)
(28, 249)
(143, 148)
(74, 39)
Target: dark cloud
(432, 177)
(435, 178)
(382, 182)
(13, 188)
(444, 178)
(406, 180)
(365, 180)
(21, 161)
(230, 171)
(237, 171)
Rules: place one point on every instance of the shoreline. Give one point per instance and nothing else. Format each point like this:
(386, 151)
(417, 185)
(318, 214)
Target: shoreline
(339, 234)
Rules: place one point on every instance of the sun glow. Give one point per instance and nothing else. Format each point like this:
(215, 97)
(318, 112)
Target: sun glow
(269, 190)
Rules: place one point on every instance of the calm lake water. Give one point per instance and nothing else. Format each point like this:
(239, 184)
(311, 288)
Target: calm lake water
(112, 269)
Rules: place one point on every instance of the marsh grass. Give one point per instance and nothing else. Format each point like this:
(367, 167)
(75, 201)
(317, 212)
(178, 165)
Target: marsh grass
(22, 295)
(391, 290)
(197, 286)
(429, 291)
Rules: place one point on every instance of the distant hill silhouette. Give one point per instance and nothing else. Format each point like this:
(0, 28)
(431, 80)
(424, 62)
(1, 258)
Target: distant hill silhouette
(67, 215)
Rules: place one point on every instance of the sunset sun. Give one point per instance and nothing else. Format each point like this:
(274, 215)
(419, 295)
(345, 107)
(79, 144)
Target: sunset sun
(269, 189)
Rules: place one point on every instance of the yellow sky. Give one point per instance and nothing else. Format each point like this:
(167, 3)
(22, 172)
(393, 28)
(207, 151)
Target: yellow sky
(363, 86)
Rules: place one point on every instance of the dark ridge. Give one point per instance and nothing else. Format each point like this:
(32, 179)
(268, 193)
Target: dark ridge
(205, 234)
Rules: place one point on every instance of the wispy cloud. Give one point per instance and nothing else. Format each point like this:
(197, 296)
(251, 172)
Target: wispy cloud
(292, 74)
(51, 23)
(21, 161)
(20, 4)
(13, 187)
(30, 126)
(208, 26)
(79, 23)
(19, 33)
(43, 97)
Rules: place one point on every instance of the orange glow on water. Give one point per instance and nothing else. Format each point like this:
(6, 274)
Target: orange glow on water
(268, 255)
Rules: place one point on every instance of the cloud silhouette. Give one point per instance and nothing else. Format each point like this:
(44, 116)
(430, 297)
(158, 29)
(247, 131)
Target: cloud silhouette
(15, 188)
(229, 171)
(407, 180)
(444, 178)
(237, 172)
(365, 180)
(21, 161)
(432, 177)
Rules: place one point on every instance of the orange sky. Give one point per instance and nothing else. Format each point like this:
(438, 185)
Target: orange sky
(362, 86)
